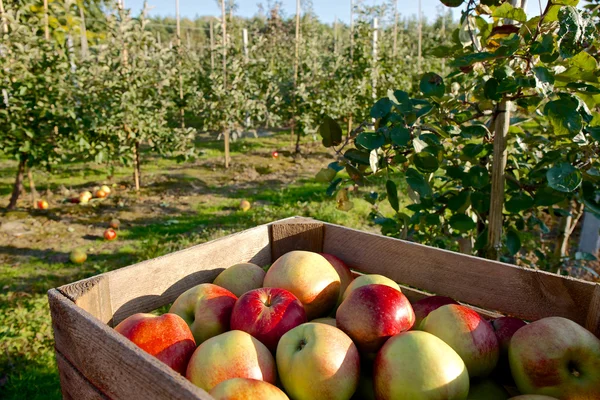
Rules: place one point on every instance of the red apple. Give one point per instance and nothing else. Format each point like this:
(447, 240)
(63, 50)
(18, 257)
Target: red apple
(343, 271)
(275, 154)
(247, 389)
(110, 234)
(424, 306)
(418, 365)
(310, 277)
(505, 328)
(206, 308)
(318, 361)
(241, 278)
(42, 204)
(372, 314)
(471, 336)
(267, 314)
(556, 357)
(166, 337)
(114, 223)
(100, 194)
(233, 354)
(369, 279)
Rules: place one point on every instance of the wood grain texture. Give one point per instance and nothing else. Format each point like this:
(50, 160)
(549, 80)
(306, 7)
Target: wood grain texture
(92, 295)
(592, 322)
(74, 386)
(110, 362)
(523, 293)
(295, 234)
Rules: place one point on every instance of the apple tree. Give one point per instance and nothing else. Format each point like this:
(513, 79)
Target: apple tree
(501, 153)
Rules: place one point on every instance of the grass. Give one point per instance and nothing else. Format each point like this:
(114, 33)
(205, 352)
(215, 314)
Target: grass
(179, 206)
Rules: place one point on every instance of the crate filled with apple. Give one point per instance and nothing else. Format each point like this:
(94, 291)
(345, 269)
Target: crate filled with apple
(302, 309)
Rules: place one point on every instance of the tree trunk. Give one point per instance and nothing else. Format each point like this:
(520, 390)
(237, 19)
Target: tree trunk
(502, 123)
(18, 186)
(137, 173)
(32, 191)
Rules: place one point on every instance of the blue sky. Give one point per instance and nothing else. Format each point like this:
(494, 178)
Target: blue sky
(326, 10)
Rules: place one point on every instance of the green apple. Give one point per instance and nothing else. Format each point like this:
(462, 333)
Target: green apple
(556, 357)
(417, 365)
(233, 354)
(206, 308)
(78, 256)
(471, 336)
(241, 278)
(247, 389)
(310, 277)
(318, 361)
(365, 280)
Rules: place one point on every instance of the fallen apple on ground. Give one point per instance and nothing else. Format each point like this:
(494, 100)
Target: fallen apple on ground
(369, 279)
(114, 223)
(419, 365)
(78, 256)
(206, 308)
(101, 194)
(556, 357)
(105, 189)
(372, 314)
(318, 361)
(310, 277)
(244, 205)
(241, 278)
(247, 389)
(166, 337)
(110, 234)
(233, 354)
(42, 204)
(267, 314)
(471, 336)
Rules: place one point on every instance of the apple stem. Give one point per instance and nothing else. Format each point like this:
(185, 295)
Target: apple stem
(302, 344)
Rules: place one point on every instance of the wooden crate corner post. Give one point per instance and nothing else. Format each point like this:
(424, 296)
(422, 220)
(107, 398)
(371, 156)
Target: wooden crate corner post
(295, 234)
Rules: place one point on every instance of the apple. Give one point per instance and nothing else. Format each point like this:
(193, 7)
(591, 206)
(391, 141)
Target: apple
(487, 389)
(318, 361)
(101, 194)
(342, 270)
(241, 278)
(325, 320)
(372, 314)
(244, 205)
(105, 189)
(84, 197)
(419, 365)
(42, 204)
(266, 314)
(206, 308)
(369, 279)
(110, 234)
(423, 307)
(556, 357)
(247, 389)
(78, 256)
(114, 223)
(505, 328)
(471, 336)
(532, 397)
(310, 277)
(275, 154)
(233, 354)
(166, 337)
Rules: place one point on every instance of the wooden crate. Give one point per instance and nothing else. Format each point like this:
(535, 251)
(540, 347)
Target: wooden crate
(96, 363)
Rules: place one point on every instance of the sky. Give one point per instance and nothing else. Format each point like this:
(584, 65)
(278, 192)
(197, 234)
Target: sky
(326, 10)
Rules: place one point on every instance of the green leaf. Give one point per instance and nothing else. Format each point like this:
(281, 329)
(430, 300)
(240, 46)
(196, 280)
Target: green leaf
(594, 132)
(432, 85)
(462, 223)
(400, 135)
(583, 87)
(370, 140)
(335, 166)
(477, 130)
(404, 104)
(331, 132)
(418, 183)
(519, 202)
(333, 187)
(482, 240)
(325, 175)
(478, 177)
(585, 62)
(480, 201)
(513, 242)
(472, 58)
(564, 177)
(575, 32)
(490, 89)
(460, 202)
(392, 194)
(543, 74)
(381, 108)
(473, 151)
(506, 10)
(426, 162)
(357, 156)
(564, 116)
(547, 196)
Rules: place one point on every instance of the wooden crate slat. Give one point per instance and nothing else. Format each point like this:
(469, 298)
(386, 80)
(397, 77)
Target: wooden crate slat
(296, 234)
(593, 314)
(524, 293)
(109, 361)
(74, 386)
(92, 295)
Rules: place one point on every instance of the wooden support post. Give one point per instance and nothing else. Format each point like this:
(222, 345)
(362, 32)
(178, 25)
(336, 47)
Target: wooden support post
(224, 28)
(395, 48)
(374, 61)
(212, 46)
(84, 42)
(46, 27)
(351, 30)
(181, 110)
(245, 41)
(296, 64)
(420, 38)
(335, 35)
